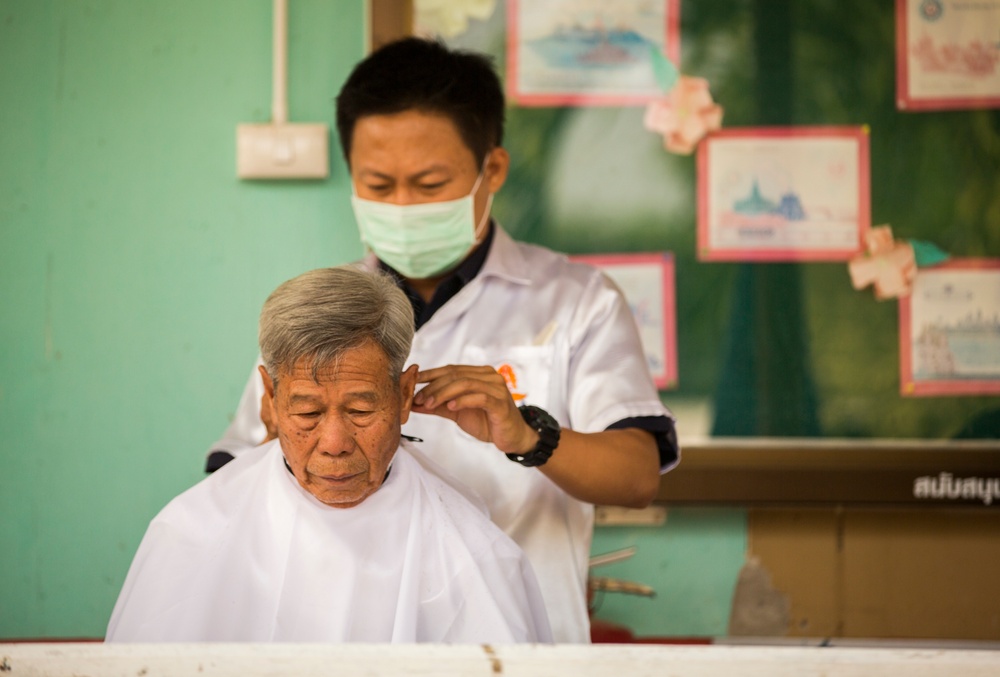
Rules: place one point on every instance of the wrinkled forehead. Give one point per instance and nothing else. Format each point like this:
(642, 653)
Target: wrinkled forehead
(363, 364)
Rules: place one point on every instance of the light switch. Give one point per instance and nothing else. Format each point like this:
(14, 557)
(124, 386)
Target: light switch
(282, 151)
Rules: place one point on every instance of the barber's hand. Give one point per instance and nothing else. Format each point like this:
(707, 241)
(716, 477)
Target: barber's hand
(478, 400)
(267, 418)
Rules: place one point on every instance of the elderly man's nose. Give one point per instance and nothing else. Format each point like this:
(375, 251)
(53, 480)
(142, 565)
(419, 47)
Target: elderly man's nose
(336, 438)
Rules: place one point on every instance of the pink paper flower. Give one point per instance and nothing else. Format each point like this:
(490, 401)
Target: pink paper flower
(684, 116)
(889, 265)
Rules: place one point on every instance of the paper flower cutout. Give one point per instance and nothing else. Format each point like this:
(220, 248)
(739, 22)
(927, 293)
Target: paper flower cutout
(888, 264)
(684, 116)
(448, 18)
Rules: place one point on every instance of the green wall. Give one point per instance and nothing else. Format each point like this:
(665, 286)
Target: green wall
(133, 265)
(692, 562)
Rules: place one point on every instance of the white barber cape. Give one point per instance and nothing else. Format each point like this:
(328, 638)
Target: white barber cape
(564, 335)
(248, 555)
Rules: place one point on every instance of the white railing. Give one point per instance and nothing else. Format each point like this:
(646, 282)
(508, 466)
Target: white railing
(309, 660)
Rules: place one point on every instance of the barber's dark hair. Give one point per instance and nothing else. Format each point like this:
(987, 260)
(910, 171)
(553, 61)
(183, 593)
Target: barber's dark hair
(424, 75)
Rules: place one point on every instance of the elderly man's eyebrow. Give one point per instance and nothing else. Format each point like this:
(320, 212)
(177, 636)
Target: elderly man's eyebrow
(370, 396)
(302, 397)
(366, 395)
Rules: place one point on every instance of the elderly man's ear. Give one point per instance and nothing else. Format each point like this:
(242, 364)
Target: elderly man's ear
(267, 407)
(407, 384)
(268, 383)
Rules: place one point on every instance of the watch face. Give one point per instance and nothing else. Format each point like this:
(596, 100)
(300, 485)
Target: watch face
(538, 418)
(548, 436)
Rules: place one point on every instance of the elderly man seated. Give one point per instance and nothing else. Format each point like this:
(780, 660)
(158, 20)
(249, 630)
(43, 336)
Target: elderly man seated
(337, 531)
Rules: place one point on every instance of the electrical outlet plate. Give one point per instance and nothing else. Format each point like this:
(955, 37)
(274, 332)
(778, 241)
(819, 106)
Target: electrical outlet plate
(282, 151)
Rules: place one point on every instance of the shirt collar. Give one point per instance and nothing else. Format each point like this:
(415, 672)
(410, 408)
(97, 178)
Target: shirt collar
(448, 287)
(507, 259)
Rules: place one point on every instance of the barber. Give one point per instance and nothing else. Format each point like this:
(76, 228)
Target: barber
(536, 389)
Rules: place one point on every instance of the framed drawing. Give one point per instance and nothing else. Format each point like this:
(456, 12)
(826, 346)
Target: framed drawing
(947, 54)
(647, 280)
(588, 52)
(783, 194)
(949, 330)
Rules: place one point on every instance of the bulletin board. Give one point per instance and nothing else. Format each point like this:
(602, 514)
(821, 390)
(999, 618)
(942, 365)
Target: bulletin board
(769, 349)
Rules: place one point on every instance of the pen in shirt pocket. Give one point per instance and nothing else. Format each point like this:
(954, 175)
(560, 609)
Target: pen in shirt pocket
(545, 334)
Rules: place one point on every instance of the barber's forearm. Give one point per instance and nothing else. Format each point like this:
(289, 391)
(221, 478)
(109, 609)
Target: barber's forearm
(614, 467)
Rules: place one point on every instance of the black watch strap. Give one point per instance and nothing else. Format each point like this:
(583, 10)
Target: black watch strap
(548, 436)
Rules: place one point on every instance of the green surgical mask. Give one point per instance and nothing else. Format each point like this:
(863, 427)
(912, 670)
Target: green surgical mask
(420, 240)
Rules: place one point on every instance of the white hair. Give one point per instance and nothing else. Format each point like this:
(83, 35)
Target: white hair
(323, 313)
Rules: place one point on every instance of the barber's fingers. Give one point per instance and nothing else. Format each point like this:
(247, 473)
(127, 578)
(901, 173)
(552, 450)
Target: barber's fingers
(487, 418)
(452, 371)
(478, 400)
(434, 372)
(446, 383)
(471, 392)
(474, 399)
(494, 419)
(474, 421)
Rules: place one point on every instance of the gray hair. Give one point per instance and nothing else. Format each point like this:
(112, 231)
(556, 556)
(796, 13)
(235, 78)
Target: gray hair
(323, 313)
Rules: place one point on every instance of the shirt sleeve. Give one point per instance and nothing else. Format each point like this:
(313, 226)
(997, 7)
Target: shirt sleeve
(609, 379)
(663, 430)
(246, 430)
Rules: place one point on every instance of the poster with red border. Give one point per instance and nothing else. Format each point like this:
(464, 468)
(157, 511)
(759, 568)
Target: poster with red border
(949, 330)
(588, 52)
(783, 194)
(947, 54)
(647, 280)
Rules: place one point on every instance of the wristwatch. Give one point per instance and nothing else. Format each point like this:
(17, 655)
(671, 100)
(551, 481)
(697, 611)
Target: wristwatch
(548, 436)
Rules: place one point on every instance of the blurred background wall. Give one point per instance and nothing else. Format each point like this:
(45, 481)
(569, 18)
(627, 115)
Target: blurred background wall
(133, 265)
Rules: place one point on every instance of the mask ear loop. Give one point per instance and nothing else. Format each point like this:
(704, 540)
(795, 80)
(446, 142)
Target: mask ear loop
(480, 230)
(483, 222)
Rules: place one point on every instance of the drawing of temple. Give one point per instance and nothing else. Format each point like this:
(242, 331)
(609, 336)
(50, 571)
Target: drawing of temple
(933, 354)
(790, 207)
(967, 348)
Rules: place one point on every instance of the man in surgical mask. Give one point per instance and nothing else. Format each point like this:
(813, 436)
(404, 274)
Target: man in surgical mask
(535, 389)
(423, 240)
